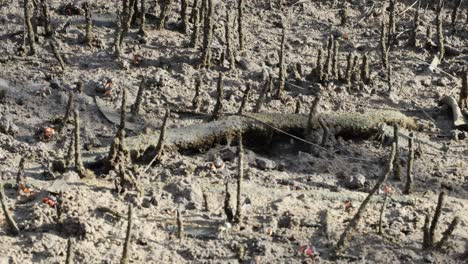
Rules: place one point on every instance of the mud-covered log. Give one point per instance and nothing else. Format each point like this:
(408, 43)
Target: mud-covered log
(345, 124)
(348, 125)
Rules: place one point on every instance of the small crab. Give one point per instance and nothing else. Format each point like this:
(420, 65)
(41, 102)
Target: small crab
(50, 200)
(44, 92)
(47, 134)
(105, 87)
(387, 189)
(108, 88)
(137, 59)
(218, 164)
(224, 229)
(25, 189)
(348, 206)
(308, 251)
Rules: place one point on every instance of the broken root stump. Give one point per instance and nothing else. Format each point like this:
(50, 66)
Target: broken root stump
(459, 120)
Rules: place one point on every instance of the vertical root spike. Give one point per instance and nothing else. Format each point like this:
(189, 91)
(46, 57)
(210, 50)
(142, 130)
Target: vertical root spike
(89, 25)
(128, 8)
(123, 114)
(329, 55)
(137, 105)
(194, 9)
(440, 32)
(463, 100)
(70, 153)
(384, 204)
(128, 237)
(69, 258)
(20, 176)
(389, 78)
(206, 205)
(297, 108)
(392, 23)
(46, 17)
(121, 175)
(435, 219)
(143, 10)
(207, 34)
(184, 16)
(282, 67)
(426, 237)
(396, 165)
(354, 70)
(263, 94)
(343, 17)
(57, 55)
(326, 132)
(161, 141)
(29, 27)
(383, 43)
(319, 67)
(312, 113)
(448, 232)
(118, 34)
(413, 40)
(166, 7)
(180, 226)
(195, 40)
(69, 110)
(365, 73)
(240, 23)
(409, 171)
(335, 72)
(349, 67)
(227, 205)
(245, 98)
(455, 12)
(228, 40)
(218, 110)
(77, 141)
(196, 97)
(240, 178)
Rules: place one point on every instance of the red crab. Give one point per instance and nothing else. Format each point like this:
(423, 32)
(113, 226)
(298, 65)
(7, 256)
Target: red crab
(47, 133)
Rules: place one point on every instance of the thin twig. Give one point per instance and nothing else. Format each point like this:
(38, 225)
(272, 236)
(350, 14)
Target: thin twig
(11, 222)
(408, 8)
